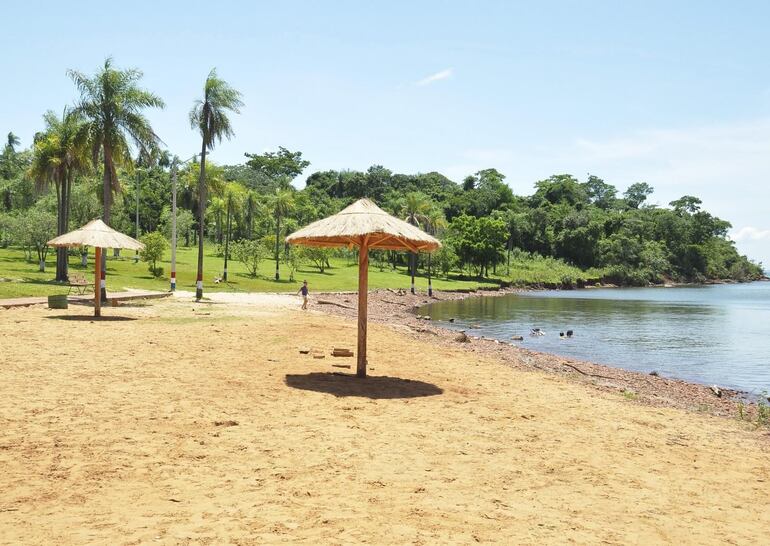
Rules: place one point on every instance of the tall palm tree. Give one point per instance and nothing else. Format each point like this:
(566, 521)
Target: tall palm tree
(281, 204)
(234, 194)
(112, 104)
(60, 152)
(11, 142)
(209, 116)
(416, 208)
(252, 206)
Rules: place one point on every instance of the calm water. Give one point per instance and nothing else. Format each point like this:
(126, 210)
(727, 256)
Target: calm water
(710, 334)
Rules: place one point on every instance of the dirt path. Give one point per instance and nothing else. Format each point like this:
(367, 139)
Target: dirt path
(184, 423)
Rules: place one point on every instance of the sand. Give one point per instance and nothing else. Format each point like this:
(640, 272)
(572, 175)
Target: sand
(202, 424)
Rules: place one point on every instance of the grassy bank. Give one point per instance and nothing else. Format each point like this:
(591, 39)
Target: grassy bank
(21, 278)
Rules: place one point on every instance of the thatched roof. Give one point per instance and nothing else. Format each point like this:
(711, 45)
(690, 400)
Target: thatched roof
(364, 219)
(96, 233)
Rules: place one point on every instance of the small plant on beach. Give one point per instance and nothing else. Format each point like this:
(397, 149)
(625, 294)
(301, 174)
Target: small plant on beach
(763, 413)
(630, 395)
(741, 411)
(155, 244)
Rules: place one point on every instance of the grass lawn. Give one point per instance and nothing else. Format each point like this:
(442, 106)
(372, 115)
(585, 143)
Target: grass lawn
(19, 278)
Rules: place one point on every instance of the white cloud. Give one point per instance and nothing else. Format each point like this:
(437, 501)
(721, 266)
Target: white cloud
(750, 233)
(438, 76)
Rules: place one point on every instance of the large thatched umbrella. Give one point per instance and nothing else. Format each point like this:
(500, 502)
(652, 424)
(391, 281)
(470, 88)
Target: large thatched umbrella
(365, 225)
(98, 235)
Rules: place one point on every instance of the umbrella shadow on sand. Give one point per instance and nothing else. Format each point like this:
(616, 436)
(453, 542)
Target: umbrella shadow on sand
(375, 387)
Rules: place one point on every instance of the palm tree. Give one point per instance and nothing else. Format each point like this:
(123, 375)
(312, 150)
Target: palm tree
(252, 205)
(12, 142)
(112, 104)
(416, 207)
(209, 116)
(234, 193)
(60, 152)
(216, 208)
(434, 221)
(281, 203)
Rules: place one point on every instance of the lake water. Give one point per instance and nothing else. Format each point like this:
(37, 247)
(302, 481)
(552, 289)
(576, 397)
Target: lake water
(716, 334)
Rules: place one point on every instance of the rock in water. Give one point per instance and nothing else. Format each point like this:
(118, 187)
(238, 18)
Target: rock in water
(462, 338)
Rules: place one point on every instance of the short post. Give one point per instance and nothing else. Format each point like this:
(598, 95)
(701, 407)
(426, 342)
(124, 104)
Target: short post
(97, 281)
(363, 292)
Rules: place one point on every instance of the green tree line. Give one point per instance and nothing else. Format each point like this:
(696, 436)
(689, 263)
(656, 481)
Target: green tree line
(101, 157)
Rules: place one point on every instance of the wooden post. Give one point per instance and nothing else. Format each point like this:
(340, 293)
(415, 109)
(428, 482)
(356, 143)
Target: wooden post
(97, 282)
(363, 293)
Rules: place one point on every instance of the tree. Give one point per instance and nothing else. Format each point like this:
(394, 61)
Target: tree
(599, 192)
(637, 194)
(319, 256)
(281, 203)
(217, 209)
(445, 258)
(234, 194)
(686, 204)
(60, 152)
(155, 244)
(209, 117)
(112, 105)
(434, 221)
(415, 209)
(478, 241)
(282, 164)
(184, 222)
(36, 227)
(249, 252)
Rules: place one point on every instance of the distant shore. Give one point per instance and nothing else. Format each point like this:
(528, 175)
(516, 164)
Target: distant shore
(399, 309)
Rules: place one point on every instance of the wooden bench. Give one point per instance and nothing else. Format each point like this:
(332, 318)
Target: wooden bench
(79, 283)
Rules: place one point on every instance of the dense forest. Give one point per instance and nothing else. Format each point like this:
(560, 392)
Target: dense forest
(63, 178)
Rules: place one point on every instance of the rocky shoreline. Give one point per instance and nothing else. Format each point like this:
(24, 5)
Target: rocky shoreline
(399, 310)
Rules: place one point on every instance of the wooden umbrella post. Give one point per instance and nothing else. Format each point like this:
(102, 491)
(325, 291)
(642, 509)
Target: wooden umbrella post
(363, 293)
(97, 281)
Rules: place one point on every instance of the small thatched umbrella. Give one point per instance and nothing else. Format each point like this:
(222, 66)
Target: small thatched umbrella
(98, 235)
(365, 225)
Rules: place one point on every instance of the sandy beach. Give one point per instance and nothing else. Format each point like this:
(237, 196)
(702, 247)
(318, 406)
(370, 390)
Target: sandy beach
(173, 422)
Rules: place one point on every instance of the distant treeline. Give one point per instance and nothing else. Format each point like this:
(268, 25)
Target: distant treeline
(617, 237)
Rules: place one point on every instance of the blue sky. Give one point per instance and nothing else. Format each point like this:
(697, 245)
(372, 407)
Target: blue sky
(676, 94)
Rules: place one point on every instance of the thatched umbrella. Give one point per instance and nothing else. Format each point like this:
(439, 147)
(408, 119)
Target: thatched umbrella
(367, 226)
(98, 235)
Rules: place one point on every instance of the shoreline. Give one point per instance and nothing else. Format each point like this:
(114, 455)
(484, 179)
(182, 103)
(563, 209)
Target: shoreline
(398, 309)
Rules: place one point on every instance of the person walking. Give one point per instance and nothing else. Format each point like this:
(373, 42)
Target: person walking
(303, 290)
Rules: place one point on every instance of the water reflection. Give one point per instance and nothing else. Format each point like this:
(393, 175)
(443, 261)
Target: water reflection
(715, 334)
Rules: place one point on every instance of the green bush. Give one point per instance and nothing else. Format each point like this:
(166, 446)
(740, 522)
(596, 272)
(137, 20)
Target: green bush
(249, 252)
(155, 244)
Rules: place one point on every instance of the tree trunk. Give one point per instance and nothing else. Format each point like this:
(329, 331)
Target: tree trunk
(363, 293)
(201, 216)
(510, 248)
(106, 210)
(430, 285)
(277, 247)
(227, 241)
(61, 252)
(412, 266)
